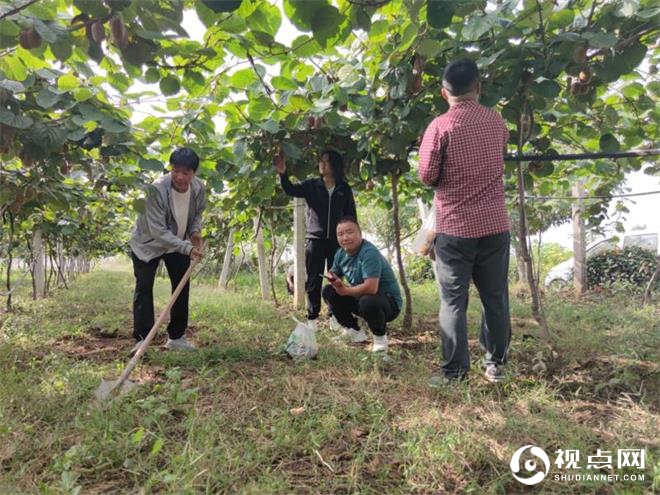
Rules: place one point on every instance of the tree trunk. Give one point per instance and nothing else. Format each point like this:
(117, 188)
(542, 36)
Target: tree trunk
(239, 264)
(10, 259)
(651, 285)
(539, 258)
(299, 295)
(61, 279)
(407, 315)
(226, 264)
(50, 266)
(277, 263)
(60, 262)
(271, 271)
(70, 268)
(537, 309)
(39, 268)
(31, 266)
(261, 258)
(579, 246)
(520, 273)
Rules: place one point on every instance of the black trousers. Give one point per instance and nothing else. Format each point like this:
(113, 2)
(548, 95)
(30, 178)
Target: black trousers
(143, 299)
(485, 260)
(319, 253)
(377, 309)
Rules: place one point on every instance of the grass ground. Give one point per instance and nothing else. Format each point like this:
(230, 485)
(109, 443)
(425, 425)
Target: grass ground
(239, 417)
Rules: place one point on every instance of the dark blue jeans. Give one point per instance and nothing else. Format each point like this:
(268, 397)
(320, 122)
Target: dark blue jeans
(143, 298)
(485, 260)
(376, 309)
(319, 253)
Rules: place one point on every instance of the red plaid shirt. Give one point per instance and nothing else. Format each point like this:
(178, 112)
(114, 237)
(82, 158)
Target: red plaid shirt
(462, 156)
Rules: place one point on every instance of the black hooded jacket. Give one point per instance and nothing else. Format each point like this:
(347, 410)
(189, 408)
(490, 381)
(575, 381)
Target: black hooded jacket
(324, 210)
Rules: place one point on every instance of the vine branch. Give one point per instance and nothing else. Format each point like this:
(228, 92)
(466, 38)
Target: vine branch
(16, 10)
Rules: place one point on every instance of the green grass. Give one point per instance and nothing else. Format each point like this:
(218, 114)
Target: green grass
(238, 417)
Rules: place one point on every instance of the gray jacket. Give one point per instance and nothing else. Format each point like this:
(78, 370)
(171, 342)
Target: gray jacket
(155, 230)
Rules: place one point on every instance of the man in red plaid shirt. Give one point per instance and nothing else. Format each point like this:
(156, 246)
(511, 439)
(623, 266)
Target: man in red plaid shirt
(461, 155)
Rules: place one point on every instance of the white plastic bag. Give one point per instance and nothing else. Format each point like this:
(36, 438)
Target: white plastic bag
(302, 342)
(423, 242)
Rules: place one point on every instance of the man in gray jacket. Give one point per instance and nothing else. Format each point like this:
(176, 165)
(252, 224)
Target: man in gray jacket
(169, 229)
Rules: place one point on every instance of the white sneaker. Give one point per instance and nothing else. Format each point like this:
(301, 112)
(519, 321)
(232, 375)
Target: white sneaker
(380, 343)
(313, 324)
(335, 325)
(135, 348)
(355, 336)
(180, 344)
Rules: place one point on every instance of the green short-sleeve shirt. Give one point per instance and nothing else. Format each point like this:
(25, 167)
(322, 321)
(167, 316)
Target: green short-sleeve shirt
(367, 263)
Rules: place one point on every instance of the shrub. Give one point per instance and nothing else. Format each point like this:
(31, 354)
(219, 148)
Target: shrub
(632, 267)
(419, 268)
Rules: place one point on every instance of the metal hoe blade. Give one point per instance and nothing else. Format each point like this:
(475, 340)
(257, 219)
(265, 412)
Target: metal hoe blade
(109, 389)
(112, 388)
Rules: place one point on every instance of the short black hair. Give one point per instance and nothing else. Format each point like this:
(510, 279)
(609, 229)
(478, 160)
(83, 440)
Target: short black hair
(337, 164)
(185, 157)
(460, 77)
(348, 219)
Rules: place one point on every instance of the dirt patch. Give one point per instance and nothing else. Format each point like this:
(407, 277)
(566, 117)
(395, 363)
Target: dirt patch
(100, 344)
(610, 379)
(93, 347)
(424, 341)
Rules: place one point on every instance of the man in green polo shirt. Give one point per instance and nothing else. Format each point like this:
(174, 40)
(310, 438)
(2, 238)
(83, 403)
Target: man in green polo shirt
(372, 292)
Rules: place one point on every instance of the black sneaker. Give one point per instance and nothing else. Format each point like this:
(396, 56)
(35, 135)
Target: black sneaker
(494, 373)
(440, 380)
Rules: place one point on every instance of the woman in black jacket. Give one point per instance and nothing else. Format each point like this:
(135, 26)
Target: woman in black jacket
(329, 198)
